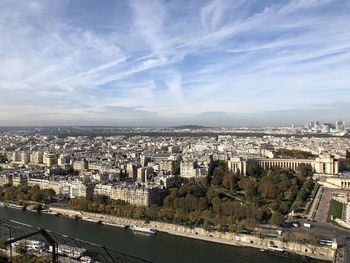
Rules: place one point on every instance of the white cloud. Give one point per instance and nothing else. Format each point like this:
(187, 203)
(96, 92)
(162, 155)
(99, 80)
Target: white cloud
(148, 17)
(172, 57)
(175, 86)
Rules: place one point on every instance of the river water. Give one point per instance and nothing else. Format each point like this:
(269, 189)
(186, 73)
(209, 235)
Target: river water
(158, 248)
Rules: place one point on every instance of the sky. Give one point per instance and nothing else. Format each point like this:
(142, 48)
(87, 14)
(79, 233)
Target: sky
(174, 62)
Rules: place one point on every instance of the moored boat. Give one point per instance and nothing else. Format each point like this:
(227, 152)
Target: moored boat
(113, 224)
(145, 230)
(88, 219)
(20, 207)
(49, 212)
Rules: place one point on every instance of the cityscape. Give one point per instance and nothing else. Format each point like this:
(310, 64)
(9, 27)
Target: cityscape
(174, 131)
(150, 180)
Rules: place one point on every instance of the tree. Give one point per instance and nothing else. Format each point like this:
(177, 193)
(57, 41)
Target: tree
(276, 219)
(21, 248)
(37, 196)
(344, 164)
(49, 194)
(3, 158)
(212, 193)
(216, 203)
(249, 186)
(35, 188)
(153, 211)
(254, 170)
(9, 194)
(305, 170)
(167, 214)
(226, 181)
(267, 188)
(240, 227)
(202, 203)
(219, 173)
(139, 212)
(194, 217)
(100, 199)
(296, 154)
(30, 258)
(168, 202)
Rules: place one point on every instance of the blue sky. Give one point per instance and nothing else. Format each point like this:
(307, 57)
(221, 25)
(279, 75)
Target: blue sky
(231, 63)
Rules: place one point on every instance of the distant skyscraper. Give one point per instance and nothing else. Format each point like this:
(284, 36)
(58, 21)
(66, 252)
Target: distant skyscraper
(326, 128)
(339, 125)
(316, 128)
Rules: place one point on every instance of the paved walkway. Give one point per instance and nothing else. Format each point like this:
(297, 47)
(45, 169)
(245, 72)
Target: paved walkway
(340, 256)
(315, 202)
(346, 213)
(323, 207)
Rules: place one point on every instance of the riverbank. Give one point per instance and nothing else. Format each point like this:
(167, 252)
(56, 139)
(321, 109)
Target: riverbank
(242, 240)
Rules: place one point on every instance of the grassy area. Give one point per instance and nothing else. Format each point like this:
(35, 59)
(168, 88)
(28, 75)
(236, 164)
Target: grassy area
(335, 209)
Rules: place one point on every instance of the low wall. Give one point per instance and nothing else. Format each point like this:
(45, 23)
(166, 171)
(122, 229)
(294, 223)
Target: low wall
(342, 223)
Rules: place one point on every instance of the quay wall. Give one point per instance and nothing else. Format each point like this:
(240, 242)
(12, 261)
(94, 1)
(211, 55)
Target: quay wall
(318, 252)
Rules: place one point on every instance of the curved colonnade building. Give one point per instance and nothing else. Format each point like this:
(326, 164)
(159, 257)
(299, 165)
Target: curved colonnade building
(324, 164)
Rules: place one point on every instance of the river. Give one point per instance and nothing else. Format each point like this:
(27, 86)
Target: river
(158, 248)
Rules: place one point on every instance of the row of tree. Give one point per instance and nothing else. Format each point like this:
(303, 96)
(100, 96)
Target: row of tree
(27, 193)
(296, 154)
(189, 210)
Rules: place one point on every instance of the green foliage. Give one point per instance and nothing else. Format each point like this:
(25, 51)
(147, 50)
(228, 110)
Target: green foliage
(295, 154)
(222, 177)
(37, 196)
(27, 193)
(254, 170)
(213, 205)
(219, 174)
(278, 189)
(31, 259)
(21, 248)
(3, 158)
(305, 170)
(191, 204)
(303, 194)
(276, 219)
(344, 165)
(48, 194)
(309, 237)
(102, 204)
(335, 209)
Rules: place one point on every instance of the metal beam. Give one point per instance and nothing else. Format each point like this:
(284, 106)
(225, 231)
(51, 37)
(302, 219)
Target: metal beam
(44, 234)
(13, 240)
(109, 254)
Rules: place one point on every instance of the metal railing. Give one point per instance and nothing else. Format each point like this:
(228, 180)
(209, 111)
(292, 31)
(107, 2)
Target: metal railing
(24, 243)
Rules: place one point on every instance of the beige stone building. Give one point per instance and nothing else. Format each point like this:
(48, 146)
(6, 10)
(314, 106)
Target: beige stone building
(37, 157)
(49, 159)
(80, 166)
(46, 184)
(140, 196)
(192, 169)
(324, 165)
(338, 182)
